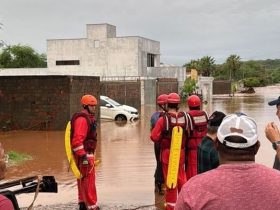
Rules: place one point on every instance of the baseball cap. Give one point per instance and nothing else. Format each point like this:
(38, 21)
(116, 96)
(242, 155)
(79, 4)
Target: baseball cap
(238, 124)
(274, 102)
(216, 118)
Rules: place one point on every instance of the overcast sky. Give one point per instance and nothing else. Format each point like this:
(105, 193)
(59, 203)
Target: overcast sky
(186, 29)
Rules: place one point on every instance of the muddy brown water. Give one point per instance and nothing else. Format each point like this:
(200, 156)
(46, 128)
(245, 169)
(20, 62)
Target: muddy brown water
(125, 173)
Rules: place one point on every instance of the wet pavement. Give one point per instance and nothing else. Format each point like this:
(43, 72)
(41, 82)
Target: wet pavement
(73, 206)
(124, 176)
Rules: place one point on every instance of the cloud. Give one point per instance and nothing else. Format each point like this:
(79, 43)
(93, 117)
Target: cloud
(186, 29)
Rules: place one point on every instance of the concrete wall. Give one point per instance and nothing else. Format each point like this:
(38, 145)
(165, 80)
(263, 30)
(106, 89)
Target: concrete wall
(42, 102)
(176, 72)
(155, 87)
(150, 91)
(23, 71)
(122, 57)
(205, 85)
(100, 31)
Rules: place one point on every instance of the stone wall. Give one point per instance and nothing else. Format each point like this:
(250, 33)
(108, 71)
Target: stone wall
(166, 86)
(221, 87)
(136, 93)
(124, 92)
(48, 101)
(42, 102)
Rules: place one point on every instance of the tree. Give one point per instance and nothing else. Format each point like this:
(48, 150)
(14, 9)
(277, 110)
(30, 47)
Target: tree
(233, 64)
(193, 64)
(188, 88)
(207, 66)
(19, 56)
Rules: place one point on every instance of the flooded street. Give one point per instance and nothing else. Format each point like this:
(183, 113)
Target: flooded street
(125, 172)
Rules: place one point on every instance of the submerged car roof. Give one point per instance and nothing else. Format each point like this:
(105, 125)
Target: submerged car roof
(104, 97)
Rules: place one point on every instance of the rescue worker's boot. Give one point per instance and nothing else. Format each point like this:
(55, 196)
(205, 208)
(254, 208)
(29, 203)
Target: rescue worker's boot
(82, 206)
(163, 189)
(159, 189)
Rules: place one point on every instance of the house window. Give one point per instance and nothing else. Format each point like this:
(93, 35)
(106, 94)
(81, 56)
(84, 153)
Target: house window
(67, 62)
(150, 60)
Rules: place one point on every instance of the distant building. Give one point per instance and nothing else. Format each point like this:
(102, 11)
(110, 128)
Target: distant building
(102, 53)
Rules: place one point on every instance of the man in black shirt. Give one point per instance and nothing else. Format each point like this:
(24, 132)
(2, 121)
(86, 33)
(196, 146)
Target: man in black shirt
(207, 155)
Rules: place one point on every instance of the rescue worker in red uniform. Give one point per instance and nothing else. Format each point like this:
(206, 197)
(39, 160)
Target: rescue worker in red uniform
(198, 128)
(163, 131)
(159, 181)
(83, 143)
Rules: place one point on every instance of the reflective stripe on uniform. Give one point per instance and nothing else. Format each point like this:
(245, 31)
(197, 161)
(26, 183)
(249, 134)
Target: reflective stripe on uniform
(170, 204)
(178, 120)
(78, 148)
(190, 120)
(92, 206)
(200, 119)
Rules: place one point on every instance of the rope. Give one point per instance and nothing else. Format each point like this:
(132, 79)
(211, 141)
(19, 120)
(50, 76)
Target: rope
(36, 193)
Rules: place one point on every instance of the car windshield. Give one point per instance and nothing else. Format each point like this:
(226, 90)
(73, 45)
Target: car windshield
(111, 101)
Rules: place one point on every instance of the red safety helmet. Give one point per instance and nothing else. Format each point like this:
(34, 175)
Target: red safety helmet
(162, 99)
(173, 98)
(88, 100)
(194, 101)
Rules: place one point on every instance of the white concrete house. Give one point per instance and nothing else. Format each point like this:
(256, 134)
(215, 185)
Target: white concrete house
(104, 54)
(101, 53)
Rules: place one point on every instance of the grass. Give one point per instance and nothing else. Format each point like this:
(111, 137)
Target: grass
(16, 158)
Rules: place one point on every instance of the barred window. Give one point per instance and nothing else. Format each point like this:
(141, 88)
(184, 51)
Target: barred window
(150, 60)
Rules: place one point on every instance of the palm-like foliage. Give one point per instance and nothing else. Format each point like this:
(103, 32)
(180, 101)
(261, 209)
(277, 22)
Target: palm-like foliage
(233, 64)
(193, 64)
(207, 66)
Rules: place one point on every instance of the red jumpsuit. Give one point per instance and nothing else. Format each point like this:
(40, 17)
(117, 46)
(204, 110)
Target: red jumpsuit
(160, 132)
(83, 142)
(198, 129)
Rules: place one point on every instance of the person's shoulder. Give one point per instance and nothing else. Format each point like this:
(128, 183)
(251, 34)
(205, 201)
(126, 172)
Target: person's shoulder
(5, 203)
(200, 183)
(155, 115)
(203, 178)
(81, 118)
(268, 169)
(206, 142)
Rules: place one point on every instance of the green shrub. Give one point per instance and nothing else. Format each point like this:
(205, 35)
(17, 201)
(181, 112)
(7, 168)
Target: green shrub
(252, 82)
(188, 88)
(15, 157)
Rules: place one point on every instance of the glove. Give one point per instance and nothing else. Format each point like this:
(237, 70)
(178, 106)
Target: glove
(85, 160)
(84, 166)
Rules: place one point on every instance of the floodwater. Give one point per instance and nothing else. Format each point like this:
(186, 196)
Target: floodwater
(124, 176)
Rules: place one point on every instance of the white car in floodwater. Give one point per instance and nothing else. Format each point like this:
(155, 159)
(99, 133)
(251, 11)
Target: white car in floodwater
(110, 109)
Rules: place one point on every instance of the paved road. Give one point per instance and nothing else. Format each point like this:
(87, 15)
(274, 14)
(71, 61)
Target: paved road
(73, 206)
